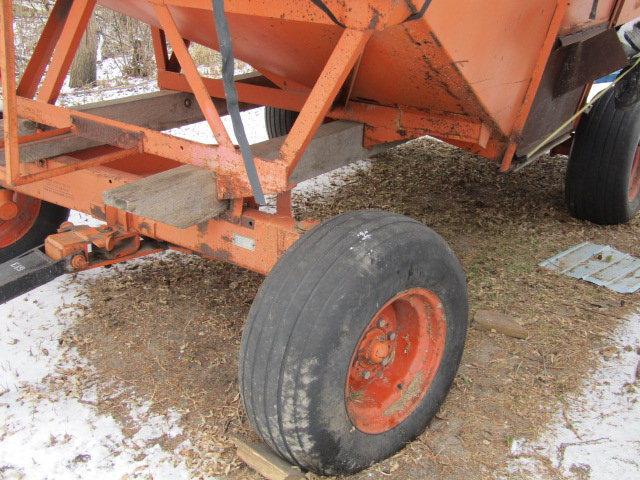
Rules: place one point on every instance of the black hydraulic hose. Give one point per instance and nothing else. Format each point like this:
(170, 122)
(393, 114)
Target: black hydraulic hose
(420, 13)
(321, 5)
(414, 16)
(228, 71)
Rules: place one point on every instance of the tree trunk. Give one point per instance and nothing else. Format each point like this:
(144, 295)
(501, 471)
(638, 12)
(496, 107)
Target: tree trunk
(84, 68)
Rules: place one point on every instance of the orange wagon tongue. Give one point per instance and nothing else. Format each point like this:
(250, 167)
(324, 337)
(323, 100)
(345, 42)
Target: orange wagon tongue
(395, 361)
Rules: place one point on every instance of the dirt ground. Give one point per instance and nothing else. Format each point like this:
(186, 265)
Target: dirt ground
(170, 329)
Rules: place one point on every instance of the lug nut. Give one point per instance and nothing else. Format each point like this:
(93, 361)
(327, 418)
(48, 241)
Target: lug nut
(382, 323)
(392, 336)
(366, 374)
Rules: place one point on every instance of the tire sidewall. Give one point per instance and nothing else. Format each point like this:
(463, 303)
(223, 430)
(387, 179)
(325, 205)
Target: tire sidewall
(419, 260)
(626, 151)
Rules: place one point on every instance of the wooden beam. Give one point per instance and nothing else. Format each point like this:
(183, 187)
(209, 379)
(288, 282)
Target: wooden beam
(335, 145)
(181, 197)
(162, 110)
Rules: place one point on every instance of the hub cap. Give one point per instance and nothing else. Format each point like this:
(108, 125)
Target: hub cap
(18, 213)
(634, 180)
(395, 361)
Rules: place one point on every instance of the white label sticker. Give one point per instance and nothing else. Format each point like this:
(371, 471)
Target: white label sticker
(244, 242)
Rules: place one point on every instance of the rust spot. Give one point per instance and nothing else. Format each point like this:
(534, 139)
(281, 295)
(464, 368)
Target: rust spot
(202, 227)
(145, 228)
(98, 212)
(407, 396)
(63, 12)
(207, 251)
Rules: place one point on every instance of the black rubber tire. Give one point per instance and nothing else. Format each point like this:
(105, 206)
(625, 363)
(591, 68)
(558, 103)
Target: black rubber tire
(49, 219)
(278, 121)
(600, 164)
(307, 319)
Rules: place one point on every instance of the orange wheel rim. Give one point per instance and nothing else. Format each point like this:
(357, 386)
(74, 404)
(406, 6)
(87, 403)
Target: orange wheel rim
(395, 361)
(14, 229)
(634, 180)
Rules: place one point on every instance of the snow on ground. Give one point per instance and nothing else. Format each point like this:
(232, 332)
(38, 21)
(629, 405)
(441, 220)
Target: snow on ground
(597, 434)
(49, 425)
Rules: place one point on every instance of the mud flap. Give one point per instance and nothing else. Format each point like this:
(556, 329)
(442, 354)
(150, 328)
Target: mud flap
(27, 272)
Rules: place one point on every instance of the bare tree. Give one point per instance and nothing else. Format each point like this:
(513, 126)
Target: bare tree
(84, 68)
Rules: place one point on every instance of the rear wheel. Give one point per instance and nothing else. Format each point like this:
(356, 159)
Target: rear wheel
(25, 222)
(278, 121)
(603, 177)
(353, 341)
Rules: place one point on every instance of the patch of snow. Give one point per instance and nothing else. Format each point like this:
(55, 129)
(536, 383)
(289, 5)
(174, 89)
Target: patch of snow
(597, 434)
(58, 432)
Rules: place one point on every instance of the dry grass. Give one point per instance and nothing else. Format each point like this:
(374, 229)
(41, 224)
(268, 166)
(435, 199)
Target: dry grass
(170, 329)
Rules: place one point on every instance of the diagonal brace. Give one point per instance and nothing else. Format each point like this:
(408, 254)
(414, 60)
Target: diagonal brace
(334, 74)
(193, 77)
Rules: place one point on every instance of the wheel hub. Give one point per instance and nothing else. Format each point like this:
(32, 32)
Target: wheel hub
(18, 213)
(395, 361)
(8, 211)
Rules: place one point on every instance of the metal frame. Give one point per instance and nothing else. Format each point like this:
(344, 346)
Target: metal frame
(84, 175)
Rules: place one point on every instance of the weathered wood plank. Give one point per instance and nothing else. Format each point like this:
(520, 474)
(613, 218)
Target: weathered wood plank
(186, 195)
(335, 145)
(181, 197)
(265, 462)
(156, 110)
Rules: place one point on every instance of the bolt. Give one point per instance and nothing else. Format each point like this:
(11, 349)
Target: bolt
(79, 262)
(382, 323)
(392, 336)
(366, 374)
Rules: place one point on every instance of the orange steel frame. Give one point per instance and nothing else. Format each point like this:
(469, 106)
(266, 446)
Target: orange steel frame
(77, 181)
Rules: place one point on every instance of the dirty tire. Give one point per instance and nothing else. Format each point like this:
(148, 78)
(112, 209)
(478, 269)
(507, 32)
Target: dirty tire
(48, 219)
(600, 175)
(279, 121)
(309, 315)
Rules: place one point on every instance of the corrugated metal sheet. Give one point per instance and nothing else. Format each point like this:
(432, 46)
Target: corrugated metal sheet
(598, 264)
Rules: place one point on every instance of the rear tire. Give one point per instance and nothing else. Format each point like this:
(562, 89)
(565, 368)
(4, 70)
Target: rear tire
(36, 220)
(308, 366)
(602, 184)
(279, 121)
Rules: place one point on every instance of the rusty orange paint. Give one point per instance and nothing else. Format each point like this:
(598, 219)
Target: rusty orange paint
(335, 72)
(402, 79)
(193, 78)
(534, 83)
(395, 361)
(18, 213)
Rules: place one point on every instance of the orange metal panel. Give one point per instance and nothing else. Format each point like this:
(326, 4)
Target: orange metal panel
(333, 76)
